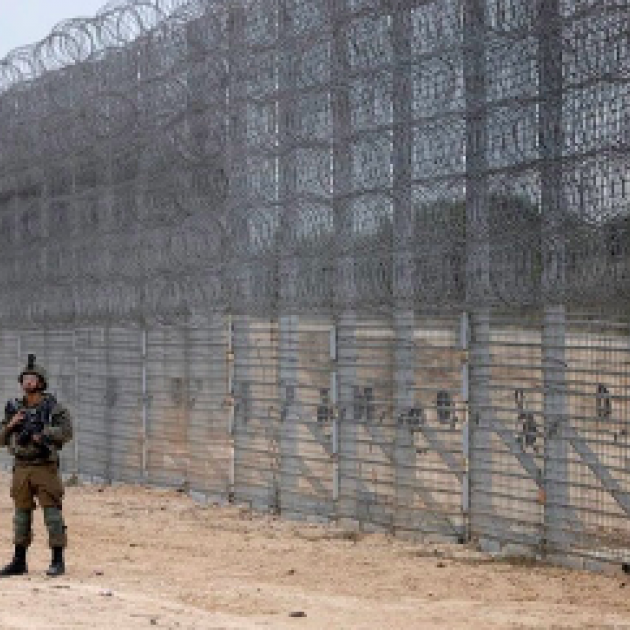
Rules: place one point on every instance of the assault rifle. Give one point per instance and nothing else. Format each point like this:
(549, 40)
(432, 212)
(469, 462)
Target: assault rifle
(35, 419)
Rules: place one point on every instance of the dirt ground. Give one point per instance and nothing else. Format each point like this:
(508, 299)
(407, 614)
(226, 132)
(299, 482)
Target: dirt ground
(142, 558)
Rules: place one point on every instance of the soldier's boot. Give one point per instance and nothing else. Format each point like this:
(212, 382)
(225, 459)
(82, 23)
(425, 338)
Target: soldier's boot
(57, 566)
(57, 539)
(17, 566)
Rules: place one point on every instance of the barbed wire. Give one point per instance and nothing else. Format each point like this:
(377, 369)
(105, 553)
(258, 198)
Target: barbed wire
(165, 159)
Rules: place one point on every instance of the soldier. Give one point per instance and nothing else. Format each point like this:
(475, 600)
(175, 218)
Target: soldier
(35, 428)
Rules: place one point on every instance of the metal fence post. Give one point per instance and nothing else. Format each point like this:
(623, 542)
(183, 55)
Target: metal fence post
(551, 134)
(108, 398)
(231, 420)
(405, 451)
(240, 339)
(478, 271)
(556, 495)
(464, 337)
(344, 283)
(145, 406)
(334, 400)
(288, 266)
(289, 448)
(481, 520)
(77, 399)
(404, 268)
(346, 434)
(243, 358)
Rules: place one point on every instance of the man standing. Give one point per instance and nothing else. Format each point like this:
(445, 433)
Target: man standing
(35, 428)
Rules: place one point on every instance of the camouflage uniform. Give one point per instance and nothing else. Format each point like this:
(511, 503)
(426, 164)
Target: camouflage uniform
(36, 474)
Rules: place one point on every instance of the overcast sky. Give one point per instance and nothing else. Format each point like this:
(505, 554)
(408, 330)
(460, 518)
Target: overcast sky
(27, 21)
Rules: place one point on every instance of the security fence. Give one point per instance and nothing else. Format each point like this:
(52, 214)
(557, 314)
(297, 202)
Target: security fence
(485, 425)
(340, 259)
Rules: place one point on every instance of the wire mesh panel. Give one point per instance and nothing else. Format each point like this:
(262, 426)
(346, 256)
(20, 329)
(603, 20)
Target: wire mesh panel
(550, 470)
(168, 455)
(109, 387)
(401, 463)
(596, 433)
(367, 428)
(306, 369)
(257, 415)
(436, 420)
(208, 433)
(507, 459)
(186, 425)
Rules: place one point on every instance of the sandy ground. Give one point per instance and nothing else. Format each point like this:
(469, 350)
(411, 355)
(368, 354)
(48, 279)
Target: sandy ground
(142, 558)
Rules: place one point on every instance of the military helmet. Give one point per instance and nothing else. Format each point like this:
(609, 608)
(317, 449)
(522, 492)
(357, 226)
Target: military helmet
(34, 368)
